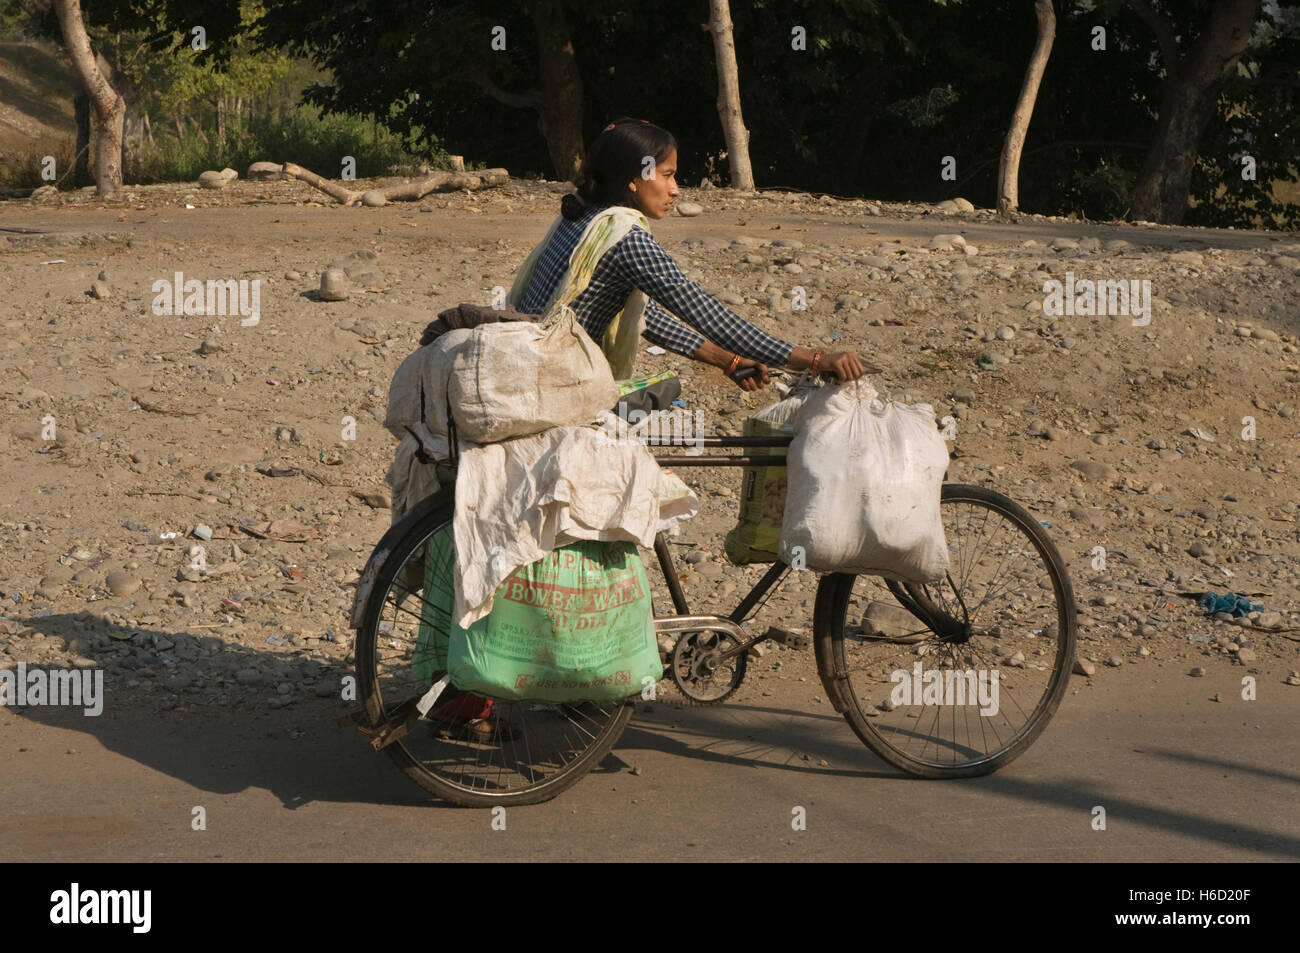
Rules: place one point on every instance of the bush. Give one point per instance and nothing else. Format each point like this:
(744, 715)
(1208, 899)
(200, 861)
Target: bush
(318, 142)
(23, 171)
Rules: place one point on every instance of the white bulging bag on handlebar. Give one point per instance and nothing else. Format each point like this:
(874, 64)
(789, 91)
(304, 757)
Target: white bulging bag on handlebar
(865, 476)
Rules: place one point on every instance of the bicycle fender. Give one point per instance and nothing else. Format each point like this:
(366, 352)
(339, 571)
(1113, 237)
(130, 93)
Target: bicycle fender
(380, 553)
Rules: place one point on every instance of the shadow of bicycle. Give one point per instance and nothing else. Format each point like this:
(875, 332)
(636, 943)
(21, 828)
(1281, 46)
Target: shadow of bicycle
(222, 723)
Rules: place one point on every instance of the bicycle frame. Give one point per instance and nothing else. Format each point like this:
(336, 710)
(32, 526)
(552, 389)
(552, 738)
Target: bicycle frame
(684, 621)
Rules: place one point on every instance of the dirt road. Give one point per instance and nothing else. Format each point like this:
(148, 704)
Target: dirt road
(134, 435)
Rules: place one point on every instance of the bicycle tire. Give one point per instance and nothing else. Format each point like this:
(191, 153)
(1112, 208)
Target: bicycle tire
(831, 631)
(403, 541)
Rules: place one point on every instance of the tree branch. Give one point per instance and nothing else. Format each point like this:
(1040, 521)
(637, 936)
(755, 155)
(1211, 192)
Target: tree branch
(1163, 31)
(528, 100)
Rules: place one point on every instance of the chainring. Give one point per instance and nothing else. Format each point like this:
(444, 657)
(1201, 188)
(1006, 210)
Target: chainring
(697, 671)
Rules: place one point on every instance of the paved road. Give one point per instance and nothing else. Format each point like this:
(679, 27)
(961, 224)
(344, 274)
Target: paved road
(1182, 778)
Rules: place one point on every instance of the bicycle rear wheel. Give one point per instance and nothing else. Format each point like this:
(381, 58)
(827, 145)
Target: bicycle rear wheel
(530, 752)
(956, 679)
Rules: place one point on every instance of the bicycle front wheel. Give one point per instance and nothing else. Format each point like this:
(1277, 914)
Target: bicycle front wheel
(955, 679)
(521, 752)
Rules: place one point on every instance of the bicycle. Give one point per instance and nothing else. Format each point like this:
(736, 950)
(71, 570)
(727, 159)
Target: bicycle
(530, 753)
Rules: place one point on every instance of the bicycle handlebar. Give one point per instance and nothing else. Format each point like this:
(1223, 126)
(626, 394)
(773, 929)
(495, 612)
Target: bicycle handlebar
(745, 373)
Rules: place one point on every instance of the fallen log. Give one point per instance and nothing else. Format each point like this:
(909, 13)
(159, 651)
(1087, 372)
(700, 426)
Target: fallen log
(445, 182)
(333, 190)
(405, 191)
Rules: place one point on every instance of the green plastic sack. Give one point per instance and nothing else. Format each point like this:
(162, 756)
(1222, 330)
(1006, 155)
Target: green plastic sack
(755, 537)
(631, 384)
(435, 617)
(577, 625)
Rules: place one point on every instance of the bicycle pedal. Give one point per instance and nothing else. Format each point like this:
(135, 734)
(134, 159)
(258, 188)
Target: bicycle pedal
(790, 638)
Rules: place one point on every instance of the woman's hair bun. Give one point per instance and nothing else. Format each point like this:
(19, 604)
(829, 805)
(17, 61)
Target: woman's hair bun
(571, 208)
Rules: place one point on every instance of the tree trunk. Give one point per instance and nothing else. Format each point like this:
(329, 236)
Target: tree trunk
(1189, 96)
(856, 148)
(132, 129)
(132, 138)
(561, 103)
(1009, 167)
(81, 113)
(733, 123)
(107, 104)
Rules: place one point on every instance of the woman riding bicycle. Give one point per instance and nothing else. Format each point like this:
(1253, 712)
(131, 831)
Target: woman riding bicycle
(600, 259)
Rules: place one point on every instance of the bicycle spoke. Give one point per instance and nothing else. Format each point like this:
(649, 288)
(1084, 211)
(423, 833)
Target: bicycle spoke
(519, 747)
(996, 570)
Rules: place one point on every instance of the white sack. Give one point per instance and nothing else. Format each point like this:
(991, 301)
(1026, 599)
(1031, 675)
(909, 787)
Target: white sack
(519, 378)
(865, 476)
(410, 479)
(418, 393)
(517, 500)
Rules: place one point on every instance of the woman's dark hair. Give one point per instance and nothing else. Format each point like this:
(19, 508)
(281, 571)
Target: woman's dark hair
(615, 159)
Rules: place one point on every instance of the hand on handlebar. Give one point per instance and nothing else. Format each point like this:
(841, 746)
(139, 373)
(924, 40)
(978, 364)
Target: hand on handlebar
(845, 365)
(841, 366)
(751, 375)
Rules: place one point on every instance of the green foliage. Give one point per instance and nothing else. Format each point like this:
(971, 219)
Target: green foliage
(883, 91)
(1256, 117)
(307, 137)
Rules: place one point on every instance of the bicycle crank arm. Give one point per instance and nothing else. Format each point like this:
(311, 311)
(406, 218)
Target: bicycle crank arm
(700, 623)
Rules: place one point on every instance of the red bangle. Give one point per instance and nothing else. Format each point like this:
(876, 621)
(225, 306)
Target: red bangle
(817, 362)
(735, 363)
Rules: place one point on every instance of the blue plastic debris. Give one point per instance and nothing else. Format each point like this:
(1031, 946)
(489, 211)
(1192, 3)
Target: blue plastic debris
(1238, 606)
(678, 402)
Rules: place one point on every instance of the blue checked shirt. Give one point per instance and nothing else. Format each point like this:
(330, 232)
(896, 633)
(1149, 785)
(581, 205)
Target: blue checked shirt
(639, 262)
